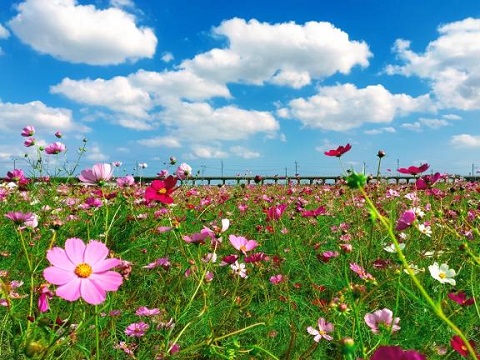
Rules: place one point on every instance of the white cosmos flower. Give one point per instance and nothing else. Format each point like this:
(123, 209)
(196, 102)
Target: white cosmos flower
(391, 248)
(443, 273)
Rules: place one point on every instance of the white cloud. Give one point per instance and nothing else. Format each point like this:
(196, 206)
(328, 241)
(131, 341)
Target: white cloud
(178, 84)
(450, 63)
(161, 141)
(122, 3)
(4, 33)
(465, 141)
(415, 126)
(244, 152)
(434, 123)
(167, 57)
(201, 122)
(387, 129)
(207, 152)
(13, 117)
(94, 153)
(82, 33)
(344, 107)
(116, 94)
(285, 54)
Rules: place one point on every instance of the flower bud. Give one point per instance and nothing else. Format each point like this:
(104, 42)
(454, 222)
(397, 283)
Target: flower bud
(381, 153)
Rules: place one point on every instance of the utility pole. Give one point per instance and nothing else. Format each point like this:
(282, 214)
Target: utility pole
(296, 168)
(221, 167)
(286, 172)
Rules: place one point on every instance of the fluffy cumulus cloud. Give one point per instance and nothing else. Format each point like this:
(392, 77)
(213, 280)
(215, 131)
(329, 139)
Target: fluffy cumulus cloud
(344, 107)
(206, 152)
(116, 94)
(13, 117)
(161, 141)
(244, 152)
(465, 141)
(200, 122)
(82, 33)
(450, 63)
(285, 54)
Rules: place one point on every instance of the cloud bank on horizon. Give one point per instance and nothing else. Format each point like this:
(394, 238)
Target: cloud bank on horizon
(196, 105)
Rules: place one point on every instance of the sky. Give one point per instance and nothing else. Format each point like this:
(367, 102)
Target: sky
(242, 87)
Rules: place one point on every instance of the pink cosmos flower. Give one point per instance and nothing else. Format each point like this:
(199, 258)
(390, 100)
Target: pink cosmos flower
(45, 295)
(427, 181)
(396, 353)
(28, 131)
(275, 212)
(127, 180)
(242, 244)
(324, 328)
(98, 174)
(25, 219)
(58, 134)
(15, 175)
(405, 220)
(276, 279)
(321, 210)
(145, 311)
(29, 142)
(338, 151)
(83, 271)
(382, 319)
(137, 329)
(55, 148)
(183, 171)
(360, 271)
(161, 190)
(414, 170)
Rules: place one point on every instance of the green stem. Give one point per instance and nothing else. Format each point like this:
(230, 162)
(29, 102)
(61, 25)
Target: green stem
(435, 307)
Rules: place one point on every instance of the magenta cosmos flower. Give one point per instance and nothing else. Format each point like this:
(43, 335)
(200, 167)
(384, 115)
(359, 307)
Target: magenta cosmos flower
(83, 271)
(161, 190)
(396, 353)
(414, 170)
(55, 148)
(324, 328)
(338, 151)
(98, 174)
(382, 319)
(28, 131)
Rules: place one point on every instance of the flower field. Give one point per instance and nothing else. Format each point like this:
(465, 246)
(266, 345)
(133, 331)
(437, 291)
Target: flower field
(114, 268)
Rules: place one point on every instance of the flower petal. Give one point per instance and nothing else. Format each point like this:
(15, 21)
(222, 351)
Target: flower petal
(104, 265)
(71, 290)
(109, 281)
(58, 276)
(91, 292)
(58, 258)
(95, 252)
(75, 248)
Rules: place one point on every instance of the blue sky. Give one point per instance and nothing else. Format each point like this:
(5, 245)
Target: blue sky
(247, 87)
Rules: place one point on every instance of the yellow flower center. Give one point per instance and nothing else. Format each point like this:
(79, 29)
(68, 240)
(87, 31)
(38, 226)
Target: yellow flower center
(442, 275)
(83, 270)
(162, 191)
(243, 248)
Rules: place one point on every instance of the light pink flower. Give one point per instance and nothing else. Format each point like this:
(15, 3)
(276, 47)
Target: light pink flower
(127, 180)
(83, 271)
(242, 244)
(382, 318)
(55, 148)
(324, 328)
(183, 171)
(145, 311)
(29, 142)
(98, 174)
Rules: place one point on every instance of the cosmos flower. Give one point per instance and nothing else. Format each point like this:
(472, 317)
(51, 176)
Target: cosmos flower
(396, 353)
(405, 220)
(28, 131)
(55, 148)
(324, 328)
(242, 244)
(461, 298)
(98, 174)
(459, 345)
(338, 151)
(442, 273)
(382, 319)
(82, 271)
(160, 190)
(183, 171)
(137, 329)
(414, 170)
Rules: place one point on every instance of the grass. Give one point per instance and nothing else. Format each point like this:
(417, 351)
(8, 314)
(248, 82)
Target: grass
(230, 317)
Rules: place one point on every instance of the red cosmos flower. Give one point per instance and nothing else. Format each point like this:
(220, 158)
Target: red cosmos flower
(414, 170)
(160, 190)
(461, 298)
(339, 151)
(459, 345)
(396, 353)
